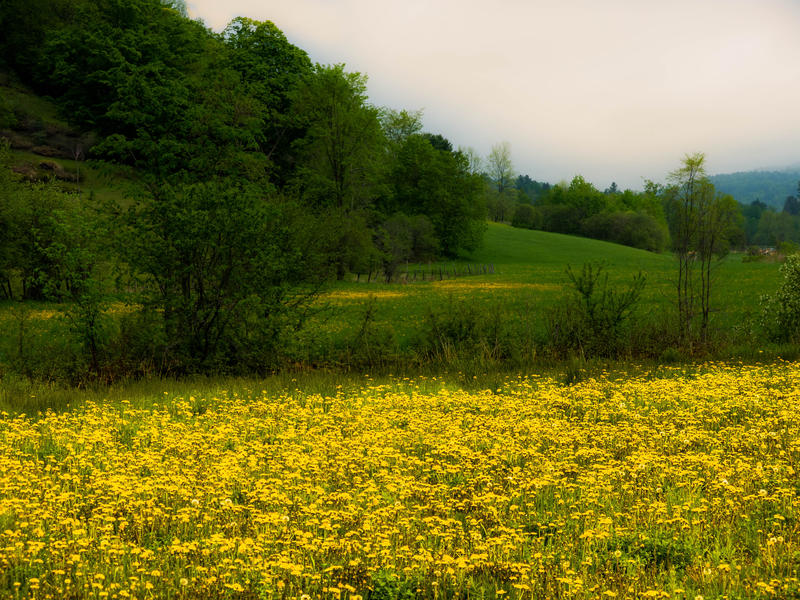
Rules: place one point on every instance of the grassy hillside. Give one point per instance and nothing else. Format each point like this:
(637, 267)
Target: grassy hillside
(45, 147)
(530, 278)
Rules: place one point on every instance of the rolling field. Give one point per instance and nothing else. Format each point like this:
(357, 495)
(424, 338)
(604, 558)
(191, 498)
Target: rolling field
(676, 485)
(530, 278)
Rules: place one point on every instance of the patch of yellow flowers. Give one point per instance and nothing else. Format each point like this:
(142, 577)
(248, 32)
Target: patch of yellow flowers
(678, 486)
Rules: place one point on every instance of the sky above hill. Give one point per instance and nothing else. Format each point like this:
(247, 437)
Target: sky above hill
(617, 90)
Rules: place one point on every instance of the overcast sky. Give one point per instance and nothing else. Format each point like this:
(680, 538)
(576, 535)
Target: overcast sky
(613, 90)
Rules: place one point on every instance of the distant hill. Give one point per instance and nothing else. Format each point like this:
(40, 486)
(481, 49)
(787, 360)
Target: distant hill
(771, 187)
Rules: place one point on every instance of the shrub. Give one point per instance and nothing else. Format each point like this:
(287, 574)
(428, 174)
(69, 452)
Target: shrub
(460, 331)
(780, 312)
(525, 217)
(593, 316)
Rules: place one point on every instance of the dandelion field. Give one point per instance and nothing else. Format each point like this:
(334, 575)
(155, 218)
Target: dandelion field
(670, 486)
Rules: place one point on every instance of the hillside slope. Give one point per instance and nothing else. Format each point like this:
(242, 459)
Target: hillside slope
(770, 187)
(45, 147)
(530, 277)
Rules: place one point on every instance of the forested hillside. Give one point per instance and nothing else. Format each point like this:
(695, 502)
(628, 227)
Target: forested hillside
(165, 95)
(770, 187)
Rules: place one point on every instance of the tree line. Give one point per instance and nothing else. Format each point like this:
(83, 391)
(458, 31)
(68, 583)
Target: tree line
(640, 219)
(765, 226)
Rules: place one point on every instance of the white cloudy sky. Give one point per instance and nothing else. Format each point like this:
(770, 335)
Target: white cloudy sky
(613, 89)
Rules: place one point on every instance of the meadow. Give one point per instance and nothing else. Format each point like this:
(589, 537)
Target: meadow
(669, 483)
(521, 433)
(529, 279)
(476, 324)
(459, 480)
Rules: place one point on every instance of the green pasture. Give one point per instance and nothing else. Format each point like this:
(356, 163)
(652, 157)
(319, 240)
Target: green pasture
(530, 277)
(354, 322)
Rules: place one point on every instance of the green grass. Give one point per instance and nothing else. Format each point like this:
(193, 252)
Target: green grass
(376, 326)
(530, 277)
(107, 182)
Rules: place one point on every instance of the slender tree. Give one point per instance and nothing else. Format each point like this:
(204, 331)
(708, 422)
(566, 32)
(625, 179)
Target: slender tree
(681, 202)
(700, 222)
(500, 167)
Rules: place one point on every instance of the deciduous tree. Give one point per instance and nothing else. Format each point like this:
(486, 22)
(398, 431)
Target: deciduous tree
(341, 150)
(438, 183)
(500, 168)
(700, 222)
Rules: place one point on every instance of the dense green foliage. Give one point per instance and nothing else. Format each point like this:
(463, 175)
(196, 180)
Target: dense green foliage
(437, 183)
(635, 219)
(225, 267)
(48, 240)
(768, 187)
(258, 176)
(178, 102)
(254, 182)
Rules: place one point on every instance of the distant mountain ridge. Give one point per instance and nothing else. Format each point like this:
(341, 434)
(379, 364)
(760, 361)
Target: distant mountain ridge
(770, 187)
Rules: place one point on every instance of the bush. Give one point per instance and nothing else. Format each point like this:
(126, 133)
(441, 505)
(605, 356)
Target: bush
(780, 312)
(459, 332)
(593, 316)
(525, 217)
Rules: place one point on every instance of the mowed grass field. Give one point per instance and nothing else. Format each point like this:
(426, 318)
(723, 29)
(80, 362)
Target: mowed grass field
(529, 278)
(676, 485)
